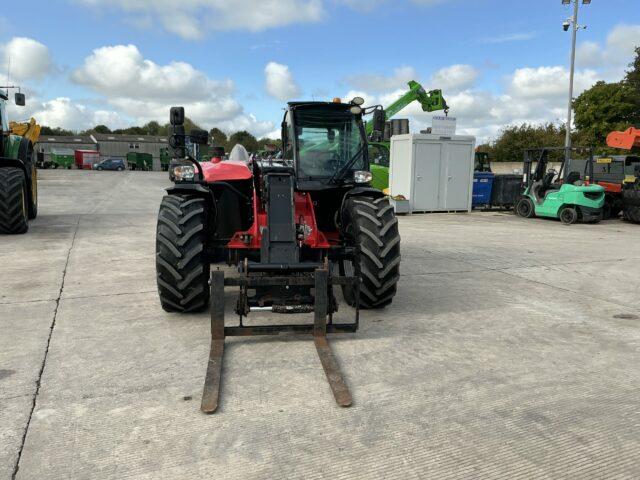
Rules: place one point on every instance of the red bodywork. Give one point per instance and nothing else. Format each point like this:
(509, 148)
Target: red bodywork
(626, 140)
(225, 171)
(251, 239)
(610, 187)
(85, 159)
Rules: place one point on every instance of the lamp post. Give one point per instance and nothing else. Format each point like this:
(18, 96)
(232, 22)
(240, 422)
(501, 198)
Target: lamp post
(573, 24)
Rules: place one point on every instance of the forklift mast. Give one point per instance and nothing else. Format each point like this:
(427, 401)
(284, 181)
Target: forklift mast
(541, 156)
(431, 101)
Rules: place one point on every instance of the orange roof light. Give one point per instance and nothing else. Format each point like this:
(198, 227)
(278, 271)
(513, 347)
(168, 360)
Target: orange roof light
(337, 100)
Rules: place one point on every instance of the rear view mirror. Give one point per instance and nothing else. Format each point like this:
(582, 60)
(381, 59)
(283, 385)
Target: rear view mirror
(176, 116)
(331, 135)
(379, 120)
(20, 99)
(199, 137)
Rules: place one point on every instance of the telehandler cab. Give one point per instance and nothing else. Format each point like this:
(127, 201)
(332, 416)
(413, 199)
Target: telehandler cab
(556, 195)
(293, 229)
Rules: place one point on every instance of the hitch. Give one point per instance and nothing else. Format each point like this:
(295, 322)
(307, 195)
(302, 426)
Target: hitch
(322, 282)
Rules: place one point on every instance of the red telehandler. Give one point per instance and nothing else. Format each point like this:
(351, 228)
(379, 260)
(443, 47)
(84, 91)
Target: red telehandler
(293, 229)
(630, 188)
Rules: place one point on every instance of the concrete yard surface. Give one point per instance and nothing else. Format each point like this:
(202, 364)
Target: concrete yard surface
(510, 351)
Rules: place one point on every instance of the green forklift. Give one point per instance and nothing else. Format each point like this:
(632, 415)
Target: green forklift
(379, 148)
(553, 194)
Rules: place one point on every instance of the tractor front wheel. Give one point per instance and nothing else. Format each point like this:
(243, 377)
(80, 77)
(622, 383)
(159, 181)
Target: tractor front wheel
(371, 225)
(569, 215)
(182, 269)
(13, 201)
(525, 208)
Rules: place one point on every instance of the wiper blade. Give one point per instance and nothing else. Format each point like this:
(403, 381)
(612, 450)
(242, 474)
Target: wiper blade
(340, 173)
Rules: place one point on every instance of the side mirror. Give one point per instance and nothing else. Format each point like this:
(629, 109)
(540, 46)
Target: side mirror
(331, 135)
(200, 137)
(176, 116)
(20, 99)
(379, 120)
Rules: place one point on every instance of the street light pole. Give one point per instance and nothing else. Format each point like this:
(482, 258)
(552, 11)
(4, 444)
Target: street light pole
(574, 34)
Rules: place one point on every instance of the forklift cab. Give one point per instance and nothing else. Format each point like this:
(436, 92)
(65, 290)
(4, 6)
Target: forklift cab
(542, 180)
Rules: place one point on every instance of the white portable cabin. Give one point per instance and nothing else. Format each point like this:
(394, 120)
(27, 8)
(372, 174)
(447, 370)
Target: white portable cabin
(433, 172)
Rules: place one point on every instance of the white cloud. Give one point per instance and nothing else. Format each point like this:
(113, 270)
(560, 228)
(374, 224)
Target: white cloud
(28, 59)
(455, 78)
(143, 90)
(615, 54)
(189, 19)
(279, 82)
(379, 83)
(549, 82)
(65, 113)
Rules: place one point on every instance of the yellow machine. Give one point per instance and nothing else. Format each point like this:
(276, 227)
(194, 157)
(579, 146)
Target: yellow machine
(29, 130)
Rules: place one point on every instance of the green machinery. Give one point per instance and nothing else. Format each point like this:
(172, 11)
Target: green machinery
(18, 174)
(553, 194)
(379, 148)
(165, 159)
(140, 161)
(482, 162)
(62, 158)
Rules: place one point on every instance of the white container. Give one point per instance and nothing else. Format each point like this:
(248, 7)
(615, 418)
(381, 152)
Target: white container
(433, 172)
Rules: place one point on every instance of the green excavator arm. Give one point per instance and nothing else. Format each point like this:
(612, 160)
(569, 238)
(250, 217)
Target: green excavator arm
(431, 101)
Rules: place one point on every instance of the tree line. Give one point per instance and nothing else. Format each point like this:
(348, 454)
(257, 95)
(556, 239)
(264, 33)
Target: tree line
(603, 108)
(217, 136)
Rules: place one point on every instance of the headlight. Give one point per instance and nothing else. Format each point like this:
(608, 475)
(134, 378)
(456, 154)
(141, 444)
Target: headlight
(362, 176)
(184, 172)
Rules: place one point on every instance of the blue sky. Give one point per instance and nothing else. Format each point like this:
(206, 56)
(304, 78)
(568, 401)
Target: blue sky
(233, 64)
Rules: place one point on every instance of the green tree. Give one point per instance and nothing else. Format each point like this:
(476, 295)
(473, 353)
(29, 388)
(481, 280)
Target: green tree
(219, 138)
(244, 138)
(101, 129)
(633, 75)
(263, 142)
(152, 128)
(603, 108)
(514, 139)
(44, 130)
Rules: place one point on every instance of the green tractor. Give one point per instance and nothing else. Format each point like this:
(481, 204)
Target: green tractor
(18, 174)
(552, 194)
(379, 148)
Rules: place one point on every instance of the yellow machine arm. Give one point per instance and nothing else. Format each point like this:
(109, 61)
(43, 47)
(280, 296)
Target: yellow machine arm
(30, 129)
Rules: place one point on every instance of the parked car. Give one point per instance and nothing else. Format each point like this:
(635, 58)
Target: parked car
(111, 164)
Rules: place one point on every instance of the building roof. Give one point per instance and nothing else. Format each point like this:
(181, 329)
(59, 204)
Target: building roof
(112, 137)
(65, 139)
(102, 137)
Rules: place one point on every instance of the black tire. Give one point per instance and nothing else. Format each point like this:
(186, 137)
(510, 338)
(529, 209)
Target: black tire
(631, 201)
(182, 269)
(99, 169)
(13, 201)
(568, 215)
(119, 169)
(525, 208)
(371, 225)
(33, 204)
